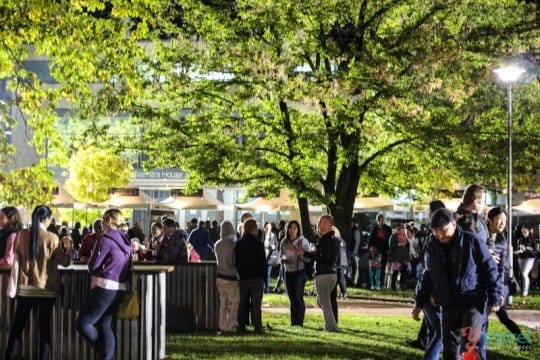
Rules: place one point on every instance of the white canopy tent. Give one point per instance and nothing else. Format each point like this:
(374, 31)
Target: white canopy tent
(204, 202)
(529, 206)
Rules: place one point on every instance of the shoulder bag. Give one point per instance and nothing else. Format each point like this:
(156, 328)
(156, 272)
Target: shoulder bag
(130, 307)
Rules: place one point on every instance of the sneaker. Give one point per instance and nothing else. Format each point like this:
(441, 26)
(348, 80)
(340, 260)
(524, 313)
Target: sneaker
(525, 346)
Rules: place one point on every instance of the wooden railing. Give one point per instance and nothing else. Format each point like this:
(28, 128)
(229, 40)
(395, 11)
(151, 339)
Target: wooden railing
(140, 338)
(192, 298)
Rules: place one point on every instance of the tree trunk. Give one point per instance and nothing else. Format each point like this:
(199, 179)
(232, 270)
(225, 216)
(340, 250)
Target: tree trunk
(346, 190)
(307, 229)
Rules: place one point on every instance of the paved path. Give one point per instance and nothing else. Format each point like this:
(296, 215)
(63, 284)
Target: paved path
(529, 318)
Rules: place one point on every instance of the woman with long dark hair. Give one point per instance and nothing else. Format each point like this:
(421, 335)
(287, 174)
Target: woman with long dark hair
(498, 247)
(10, 225)
(39, 254)
(109, 268)
(295, 271)
(527, 250)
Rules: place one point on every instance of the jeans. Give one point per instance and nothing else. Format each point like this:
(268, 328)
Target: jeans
(342, 280)
(251, 292)
(326, 286)
(482, 342)
(352, 266)
(461, 329)
(280, 279)
(526, 266)
(229, 298)
(268, 278)
(295, 282)
(96, 320)
(24, 306)
(375, 278)
(434, 345)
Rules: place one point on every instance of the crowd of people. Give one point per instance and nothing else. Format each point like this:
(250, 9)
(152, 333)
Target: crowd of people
(458, 264)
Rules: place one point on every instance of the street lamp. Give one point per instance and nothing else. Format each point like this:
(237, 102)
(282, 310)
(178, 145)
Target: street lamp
(509, 75)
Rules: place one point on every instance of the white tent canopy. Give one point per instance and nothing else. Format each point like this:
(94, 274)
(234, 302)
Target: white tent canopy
(372, 202)
(191, 202)
(141, 201)
(283, 202)
(529, 206)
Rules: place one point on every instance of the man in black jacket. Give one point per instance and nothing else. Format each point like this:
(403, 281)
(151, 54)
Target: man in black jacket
(173, 248)
(378, 238)
(460, 276)
(326, 256)
(251, 266)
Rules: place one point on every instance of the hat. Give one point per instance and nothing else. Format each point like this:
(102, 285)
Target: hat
(441, 217)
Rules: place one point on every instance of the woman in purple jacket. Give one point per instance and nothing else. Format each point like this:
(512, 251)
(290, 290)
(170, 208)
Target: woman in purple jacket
(109, 269)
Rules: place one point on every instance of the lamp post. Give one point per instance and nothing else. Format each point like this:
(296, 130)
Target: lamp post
(509, 75)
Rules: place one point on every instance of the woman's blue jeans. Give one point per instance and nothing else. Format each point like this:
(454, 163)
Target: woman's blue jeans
(295, 282)
(96, 320)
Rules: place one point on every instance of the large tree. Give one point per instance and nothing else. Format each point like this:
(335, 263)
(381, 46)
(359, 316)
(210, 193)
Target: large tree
(319, 97)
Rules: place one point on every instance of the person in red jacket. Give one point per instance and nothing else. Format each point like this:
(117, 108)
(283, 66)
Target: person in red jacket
(88, 242)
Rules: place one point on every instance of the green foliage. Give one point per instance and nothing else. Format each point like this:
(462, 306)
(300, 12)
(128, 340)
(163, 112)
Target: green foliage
(325, 98)
(372, 95)
(93, 171)
(27, 187)
(85, 216)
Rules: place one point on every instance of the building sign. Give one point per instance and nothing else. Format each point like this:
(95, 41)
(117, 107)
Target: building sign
(182, 192)
(160, 174)
(124, 191)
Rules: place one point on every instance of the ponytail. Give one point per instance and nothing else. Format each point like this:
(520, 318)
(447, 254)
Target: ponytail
(39, 214)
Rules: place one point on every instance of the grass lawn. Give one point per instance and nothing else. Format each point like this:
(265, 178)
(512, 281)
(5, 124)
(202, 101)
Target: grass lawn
(361, 337)
(531, 302)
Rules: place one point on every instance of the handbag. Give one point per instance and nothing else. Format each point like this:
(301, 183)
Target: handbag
(130, 307)
(513, 287)
(13, 280)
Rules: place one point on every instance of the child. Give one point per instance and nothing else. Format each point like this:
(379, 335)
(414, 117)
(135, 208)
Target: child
(363, 265)
(374, 268)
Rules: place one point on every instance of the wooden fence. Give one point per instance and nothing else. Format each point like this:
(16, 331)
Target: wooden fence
(140, 338)
(192, 298)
